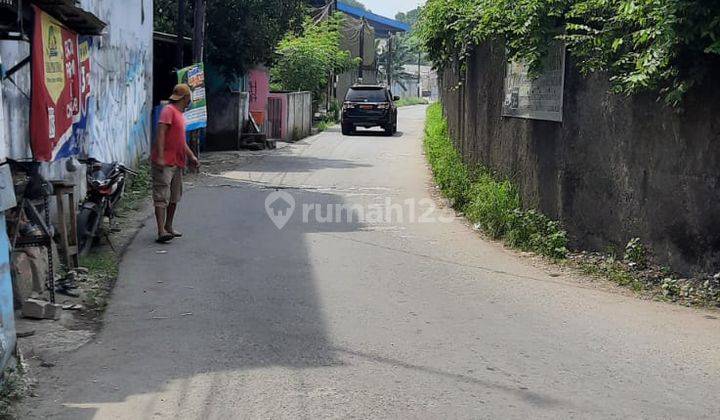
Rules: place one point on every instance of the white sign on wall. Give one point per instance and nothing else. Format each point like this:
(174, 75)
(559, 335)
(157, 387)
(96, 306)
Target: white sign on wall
(541, 97)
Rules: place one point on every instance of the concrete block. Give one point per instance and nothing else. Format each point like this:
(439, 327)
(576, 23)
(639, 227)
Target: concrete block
(40, 309)
(30, 267)
(33, 308)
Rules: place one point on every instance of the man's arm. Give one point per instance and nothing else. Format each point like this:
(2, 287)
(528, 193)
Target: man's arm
(162, 131)
(191, 155)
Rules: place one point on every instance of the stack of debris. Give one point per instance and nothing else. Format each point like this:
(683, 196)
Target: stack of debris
(31, 295)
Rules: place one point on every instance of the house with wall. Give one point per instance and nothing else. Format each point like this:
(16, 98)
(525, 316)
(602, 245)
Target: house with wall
(120, 100)
(114, 79)
(421, 81)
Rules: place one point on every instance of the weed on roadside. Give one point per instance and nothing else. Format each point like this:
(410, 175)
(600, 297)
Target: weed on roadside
(611, 269)
(491, 202)
(13, 388)
(411, 101)
(322, 126)
(102, 267)
(137, 189)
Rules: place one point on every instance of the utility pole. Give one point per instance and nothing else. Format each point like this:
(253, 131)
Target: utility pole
(389, 62)
(419, 76)
(362, 49)
(180, 30)
(199, 31)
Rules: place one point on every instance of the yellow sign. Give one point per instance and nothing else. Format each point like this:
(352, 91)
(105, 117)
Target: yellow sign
(54, 56)
(84, 52)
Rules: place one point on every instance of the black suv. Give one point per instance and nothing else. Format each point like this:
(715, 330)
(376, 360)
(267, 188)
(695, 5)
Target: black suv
(369, 106)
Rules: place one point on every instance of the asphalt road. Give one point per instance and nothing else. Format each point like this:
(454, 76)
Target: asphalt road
(368, 316)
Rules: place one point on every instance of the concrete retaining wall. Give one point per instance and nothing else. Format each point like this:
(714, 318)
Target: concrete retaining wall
(616, 168)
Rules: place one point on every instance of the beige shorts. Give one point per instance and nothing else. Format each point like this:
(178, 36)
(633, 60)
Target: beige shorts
(167, 185)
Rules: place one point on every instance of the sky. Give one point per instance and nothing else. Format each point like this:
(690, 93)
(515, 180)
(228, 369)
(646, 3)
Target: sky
(389, 8)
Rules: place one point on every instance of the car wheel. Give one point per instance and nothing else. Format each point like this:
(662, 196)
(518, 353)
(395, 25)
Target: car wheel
(347, 130)
(388, 130)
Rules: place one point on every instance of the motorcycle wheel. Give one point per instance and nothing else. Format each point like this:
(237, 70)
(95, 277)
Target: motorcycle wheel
(88, 224)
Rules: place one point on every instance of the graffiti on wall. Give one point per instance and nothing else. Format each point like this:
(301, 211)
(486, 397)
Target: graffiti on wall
(119, 122)
(118, 117)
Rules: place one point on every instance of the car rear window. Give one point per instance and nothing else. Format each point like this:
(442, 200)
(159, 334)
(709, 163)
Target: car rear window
(366, 95)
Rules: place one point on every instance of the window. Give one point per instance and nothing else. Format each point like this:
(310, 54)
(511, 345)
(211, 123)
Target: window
(366, 95)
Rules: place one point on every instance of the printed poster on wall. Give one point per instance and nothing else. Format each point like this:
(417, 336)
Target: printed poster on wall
(541, 97)
(196, 115)
(61, 89)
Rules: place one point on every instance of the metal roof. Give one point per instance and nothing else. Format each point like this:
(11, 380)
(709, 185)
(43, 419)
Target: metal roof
(72, 16)
(169, 38)
(383, 26)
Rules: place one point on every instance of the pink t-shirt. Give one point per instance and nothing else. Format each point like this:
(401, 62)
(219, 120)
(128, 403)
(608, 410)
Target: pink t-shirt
(174, 137)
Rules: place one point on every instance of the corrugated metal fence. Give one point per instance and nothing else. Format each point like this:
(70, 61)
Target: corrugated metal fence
(299, 121)
(289, 115)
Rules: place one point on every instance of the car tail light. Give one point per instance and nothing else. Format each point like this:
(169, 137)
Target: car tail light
(383, 106)
(348, 105)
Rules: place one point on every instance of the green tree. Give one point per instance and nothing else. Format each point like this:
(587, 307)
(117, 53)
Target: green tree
(240, 33)
(305, 60)
(354, 3)
(410, 17)
(407, 50)
(666, 46)
(402, 55)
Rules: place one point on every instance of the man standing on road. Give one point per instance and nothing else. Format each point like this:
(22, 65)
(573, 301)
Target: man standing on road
(169, 155)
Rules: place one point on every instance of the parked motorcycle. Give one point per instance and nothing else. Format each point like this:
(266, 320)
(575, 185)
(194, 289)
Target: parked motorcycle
(106, 187)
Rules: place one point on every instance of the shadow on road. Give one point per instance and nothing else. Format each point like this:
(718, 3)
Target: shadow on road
(373, 133)
(234, 295)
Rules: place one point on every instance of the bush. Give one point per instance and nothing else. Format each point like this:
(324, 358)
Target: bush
(304, 61)
(493, 204)
(533, 231)
(411, 101)
(450, 173)
(636, 253)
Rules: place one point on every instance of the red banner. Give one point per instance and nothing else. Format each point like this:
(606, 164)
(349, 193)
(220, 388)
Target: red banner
(56, 89)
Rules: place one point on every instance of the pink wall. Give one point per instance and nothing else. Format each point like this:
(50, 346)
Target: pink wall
(259, 89)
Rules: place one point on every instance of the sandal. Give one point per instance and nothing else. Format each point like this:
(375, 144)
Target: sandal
(165, 238)
(175, 234)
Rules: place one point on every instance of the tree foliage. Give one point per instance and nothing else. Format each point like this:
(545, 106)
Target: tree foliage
(402, 54)
(353, 3)
(240, 33)
(660, 45)
(406, 51)
(305, 60)
(411, 17)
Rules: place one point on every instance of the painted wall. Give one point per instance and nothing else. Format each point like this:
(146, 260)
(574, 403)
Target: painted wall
(121, 82)
(259, 90)
(7, 199)
(7, 316)
(119, 125)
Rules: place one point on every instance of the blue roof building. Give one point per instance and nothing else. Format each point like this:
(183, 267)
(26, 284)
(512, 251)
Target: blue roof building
(383, 26)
